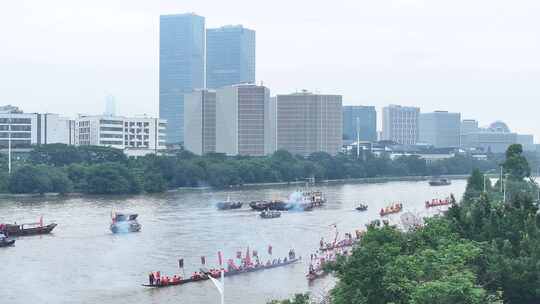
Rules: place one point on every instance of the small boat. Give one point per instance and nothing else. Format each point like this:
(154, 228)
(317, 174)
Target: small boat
(123, 223)
(441, 202)
(27, 229)
(229, 205)
(316, 198)
(5, 241)
(440, 182)
(315, 274)
(395, 208)
(270, 205)
(270, 214)
(362, 207)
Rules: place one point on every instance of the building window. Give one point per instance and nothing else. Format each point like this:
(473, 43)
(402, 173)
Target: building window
(110, 122)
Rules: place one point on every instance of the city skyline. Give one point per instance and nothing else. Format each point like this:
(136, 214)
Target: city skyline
(425, 68)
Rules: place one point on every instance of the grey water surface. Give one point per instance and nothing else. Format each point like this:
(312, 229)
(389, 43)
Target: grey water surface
(83, 262)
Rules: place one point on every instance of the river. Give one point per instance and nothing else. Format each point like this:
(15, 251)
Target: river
(82, 262)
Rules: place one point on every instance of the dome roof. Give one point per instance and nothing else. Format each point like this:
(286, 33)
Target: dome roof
(499, 126)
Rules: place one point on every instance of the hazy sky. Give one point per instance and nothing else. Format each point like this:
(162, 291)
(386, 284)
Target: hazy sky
(478, 57)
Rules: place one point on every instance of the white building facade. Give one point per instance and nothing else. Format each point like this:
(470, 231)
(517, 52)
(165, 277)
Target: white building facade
(26, 129)
(137, 136)
(400, 124)
(200, 121)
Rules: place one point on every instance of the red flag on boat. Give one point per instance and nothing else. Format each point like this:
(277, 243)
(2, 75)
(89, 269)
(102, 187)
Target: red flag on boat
(270, 249)
(181, 263)
(203, 260)
(220, 258)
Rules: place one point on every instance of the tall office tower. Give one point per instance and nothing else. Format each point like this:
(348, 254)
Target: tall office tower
(243, 125)
(400, 124)
(181, 68)
(200, 121)
(230, 56)
(360, 118)
(307, 123)
(440, 129)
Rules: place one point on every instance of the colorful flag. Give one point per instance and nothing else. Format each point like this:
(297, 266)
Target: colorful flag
(203, 260)
(181, 263)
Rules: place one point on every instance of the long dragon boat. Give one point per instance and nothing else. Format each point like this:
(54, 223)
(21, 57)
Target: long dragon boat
(341, 244)
(229, 273)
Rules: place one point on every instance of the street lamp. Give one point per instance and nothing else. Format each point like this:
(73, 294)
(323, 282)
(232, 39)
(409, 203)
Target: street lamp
(220, 286)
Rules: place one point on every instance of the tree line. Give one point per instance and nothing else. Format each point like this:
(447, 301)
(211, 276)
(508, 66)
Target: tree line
(102, 170)
(484, 250)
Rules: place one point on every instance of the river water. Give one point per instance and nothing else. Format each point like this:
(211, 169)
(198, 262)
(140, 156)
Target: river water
(82, 262)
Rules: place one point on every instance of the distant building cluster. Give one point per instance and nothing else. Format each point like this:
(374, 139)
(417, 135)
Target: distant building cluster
(209, 102)
(136, 136)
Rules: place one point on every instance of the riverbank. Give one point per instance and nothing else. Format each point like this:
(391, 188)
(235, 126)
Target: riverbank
(366, 180)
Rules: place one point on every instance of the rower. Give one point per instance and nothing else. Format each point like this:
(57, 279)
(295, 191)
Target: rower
(151, 278)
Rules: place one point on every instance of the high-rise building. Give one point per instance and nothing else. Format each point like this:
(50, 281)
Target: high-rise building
(307, 123)
(181, 67)
(110, 106)
(137, 136)
(230, 56)
(440, 129)
(363, 118)
(400, 124)
(200, 121)
(243, 125)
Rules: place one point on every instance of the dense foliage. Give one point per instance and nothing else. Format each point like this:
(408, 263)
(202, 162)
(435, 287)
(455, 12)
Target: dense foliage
(297, 299)
(484, 250)
(102, 170)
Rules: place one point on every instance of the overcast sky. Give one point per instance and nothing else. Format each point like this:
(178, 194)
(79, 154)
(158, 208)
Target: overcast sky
(478, 57)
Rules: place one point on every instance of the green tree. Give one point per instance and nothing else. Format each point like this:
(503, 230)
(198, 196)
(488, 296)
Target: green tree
(30, 179)
(297, 299)
(111, 178)
(154, 182)
(516, 165)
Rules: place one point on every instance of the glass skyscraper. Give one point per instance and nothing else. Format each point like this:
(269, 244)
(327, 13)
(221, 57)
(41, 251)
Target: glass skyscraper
(181, 67)
(230, 56)
(367, 123)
